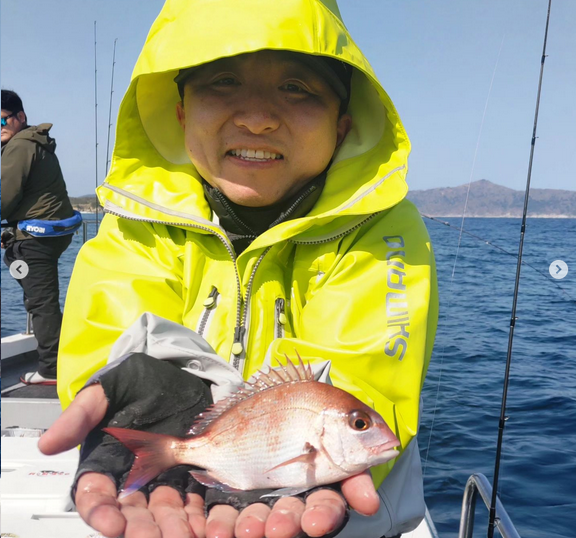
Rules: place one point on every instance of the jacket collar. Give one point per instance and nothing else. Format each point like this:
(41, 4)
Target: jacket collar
(244, 224)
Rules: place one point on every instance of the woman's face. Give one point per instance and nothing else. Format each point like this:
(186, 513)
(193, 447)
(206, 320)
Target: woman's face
(259, 126)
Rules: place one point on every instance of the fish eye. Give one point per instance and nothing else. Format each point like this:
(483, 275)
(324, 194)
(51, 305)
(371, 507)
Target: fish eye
(359, 421)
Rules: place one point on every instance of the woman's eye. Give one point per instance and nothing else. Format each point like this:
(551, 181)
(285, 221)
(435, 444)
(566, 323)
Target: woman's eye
(294, 88)
(225, 81)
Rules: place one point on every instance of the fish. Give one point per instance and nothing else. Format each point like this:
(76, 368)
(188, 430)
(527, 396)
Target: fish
(283, 431)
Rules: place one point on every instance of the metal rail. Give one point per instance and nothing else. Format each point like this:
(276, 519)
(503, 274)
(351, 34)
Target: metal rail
(84, 231)
(478, 483)
(29, 327)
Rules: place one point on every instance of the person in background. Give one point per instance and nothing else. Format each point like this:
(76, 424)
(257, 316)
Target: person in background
(255, 206)
(40, 221)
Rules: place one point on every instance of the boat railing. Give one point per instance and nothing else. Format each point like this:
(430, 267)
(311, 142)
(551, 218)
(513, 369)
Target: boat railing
(85, 224)
(29, 329)
(478, 483)
(84, 232)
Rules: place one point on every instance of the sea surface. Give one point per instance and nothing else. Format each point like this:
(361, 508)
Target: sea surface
(463, 390)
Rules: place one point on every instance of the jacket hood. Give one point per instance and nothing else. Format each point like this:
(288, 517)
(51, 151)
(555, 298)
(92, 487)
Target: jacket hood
(38, 134)
(150, 172)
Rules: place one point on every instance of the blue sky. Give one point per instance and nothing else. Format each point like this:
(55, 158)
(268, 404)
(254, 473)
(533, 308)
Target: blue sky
(435, 58)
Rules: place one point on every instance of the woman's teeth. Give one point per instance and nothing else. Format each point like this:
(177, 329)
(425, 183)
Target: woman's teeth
(255, 155)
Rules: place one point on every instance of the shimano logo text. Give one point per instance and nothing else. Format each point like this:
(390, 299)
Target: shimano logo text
(397, 318)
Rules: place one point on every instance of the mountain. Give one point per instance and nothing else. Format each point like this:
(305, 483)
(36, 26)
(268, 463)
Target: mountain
(85, 204)
(487, 199)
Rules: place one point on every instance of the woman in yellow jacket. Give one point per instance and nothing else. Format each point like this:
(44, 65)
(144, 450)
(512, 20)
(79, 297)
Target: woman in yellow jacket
(278, 126)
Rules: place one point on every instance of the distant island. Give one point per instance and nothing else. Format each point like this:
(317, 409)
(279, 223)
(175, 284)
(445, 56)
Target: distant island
(85, 204)
(486, 200)
(490, 200)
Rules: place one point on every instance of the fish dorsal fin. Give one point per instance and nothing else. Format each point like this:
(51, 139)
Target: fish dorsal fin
(262, 380)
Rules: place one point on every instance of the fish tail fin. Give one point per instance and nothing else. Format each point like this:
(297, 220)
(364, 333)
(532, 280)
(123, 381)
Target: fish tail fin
(153, 456)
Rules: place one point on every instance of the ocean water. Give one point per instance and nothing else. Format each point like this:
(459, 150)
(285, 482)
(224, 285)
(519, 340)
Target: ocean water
(463, 389)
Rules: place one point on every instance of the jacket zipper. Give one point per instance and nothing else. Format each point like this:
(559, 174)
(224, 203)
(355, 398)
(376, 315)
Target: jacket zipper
(280, 317)
(239, 345)
(239, 330)
(335, 236)
(294, 205)
(210, 304)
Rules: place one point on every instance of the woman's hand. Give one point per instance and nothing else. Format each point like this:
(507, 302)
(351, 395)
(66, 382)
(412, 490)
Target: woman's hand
(167, 515)
(322, 513)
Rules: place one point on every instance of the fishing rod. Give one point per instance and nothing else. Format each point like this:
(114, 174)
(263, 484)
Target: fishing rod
(110, 108)
(491, 523)
(425, 466)
(507, 252)
(96, 115)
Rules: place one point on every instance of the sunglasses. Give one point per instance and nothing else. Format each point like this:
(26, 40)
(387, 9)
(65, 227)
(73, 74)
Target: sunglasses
(5, 119)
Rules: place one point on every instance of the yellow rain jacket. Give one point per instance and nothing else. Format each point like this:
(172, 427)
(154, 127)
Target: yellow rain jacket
(352, 282)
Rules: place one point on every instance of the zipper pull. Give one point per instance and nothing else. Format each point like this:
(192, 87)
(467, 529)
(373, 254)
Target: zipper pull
(238, 346)
(210, 301)
(280, 315)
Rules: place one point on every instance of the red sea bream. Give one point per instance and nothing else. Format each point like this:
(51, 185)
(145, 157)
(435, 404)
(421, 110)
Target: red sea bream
(282, 430)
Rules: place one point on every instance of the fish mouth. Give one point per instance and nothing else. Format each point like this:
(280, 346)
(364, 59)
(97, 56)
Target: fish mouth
(383, 457)
(386, 448)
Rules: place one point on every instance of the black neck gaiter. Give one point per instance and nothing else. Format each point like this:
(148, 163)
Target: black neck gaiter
(244, 224)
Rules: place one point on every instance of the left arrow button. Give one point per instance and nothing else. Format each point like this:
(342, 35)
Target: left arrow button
(19, 269)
